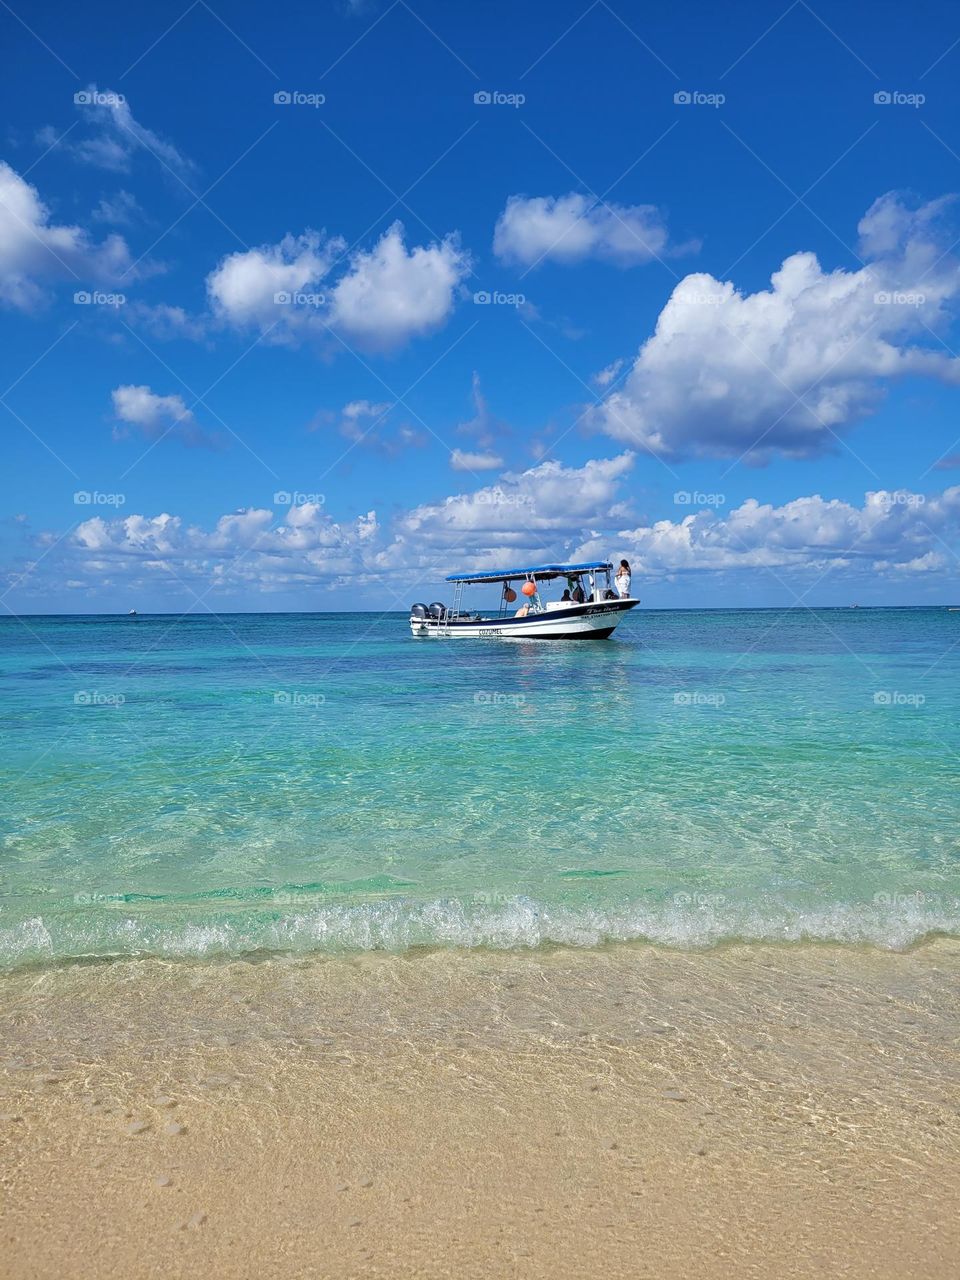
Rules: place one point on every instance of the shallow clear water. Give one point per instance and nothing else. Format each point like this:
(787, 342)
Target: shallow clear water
(313, 781)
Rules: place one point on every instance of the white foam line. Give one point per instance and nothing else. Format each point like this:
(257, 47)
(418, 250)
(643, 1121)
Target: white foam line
(514, 924)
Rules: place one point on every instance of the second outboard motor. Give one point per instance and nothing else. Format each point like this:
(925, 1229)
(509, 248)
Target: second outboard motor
(418, 611)
(437, 610)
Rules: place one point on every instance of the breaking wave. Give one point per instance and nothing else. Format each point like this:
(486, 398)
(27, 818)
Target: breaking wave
(893, 922)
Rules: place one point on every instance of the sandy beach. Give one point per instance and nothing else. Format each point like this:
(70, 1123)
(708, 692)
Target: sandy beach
(754, 1111)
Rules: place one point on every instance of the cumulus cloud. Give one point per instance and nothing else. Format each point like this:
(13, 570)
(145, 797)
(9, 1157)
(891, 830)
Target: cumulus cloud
(158, 417)
(35, 251)
(384, 297)
(275, 285)
(786, 369)
(893, 531)
(549, 512)
(573, 227)
(391, 294)
(251, 549)
(537, 512)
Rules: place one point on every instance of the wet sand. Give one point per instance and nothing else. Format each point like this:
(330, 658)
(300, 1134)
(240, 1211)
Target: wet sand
(753, 1111)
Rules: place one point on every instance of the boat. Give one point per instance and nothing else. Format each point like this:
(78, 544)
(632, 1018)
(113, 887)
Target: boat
(589, 610)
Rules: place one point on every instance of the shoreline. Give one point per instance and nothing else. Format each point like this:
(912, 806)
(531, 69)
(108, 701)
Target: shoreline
(292, 922)
(753, 1110)
(545, 951)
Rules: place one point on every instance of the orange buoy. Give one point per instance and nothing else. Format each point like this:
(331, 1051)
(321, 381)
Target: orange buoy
(529, 588)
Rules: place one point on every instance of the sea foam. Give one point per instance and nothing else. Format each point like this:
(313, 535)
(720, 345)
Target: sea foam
(518, 923)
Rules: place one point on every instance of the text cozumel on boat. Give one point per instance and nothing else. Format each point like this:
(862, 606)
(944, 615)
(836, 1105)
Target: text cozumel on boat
(589, 608)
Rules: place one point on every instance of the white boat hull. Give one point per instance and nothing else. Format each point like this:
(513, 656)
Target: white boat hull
(592, 621)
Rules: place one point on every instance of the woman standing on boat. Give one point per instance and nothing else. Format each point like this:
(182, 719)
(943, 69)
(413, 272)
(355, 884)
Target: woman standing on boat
(622, 580)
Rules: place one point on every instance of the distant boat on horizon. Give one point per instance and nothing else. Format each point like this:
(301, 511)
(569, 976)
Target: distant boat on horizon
(132, 613)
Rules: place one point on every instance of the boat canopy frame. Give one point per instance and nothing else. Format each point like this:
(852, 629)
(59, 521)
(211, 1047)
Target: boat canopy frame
(535, 573)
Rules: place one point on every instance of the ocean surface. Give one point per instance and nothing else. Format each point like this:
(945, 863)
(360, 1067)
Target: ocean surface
(239, 784)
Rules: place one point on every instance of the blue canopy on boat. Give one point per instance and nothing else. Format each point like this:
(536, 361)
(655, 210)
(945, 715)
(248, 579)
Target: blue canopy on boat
(539, 572)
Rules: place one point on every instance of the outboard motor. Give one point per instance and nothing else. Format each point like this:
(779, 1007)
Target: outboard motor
(418, 611)
(437, 610)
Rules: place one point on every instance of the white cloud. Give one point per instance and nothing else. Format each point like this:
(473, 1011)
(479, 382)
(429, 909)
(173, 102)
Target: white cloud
(144, 408)
(607, 375)
(384, 298)
(35, 251)
(120, 209)
(367, 423)
(462, 461)
(893, 531)
(159, 417)
(390, 294)
(785, 370)
(250, 549)
(166, 323)
(115, 136)
(573, 227)
(548, 512)
(371, 425)
(535, 513)
(262, 287)
(358, 409)
(483, 426)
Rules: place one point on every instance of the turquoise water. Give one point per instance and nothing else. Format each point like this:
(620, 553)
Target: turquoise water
(303, 782)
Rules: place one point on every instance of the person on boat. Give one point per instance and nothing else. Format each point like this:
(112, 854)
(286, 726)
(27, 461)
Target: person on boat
(622, 579)
(577, 595)
(566, 597)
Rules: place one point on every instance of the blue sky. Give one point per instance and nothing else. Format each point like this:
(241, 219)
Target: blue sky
(285, 391)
